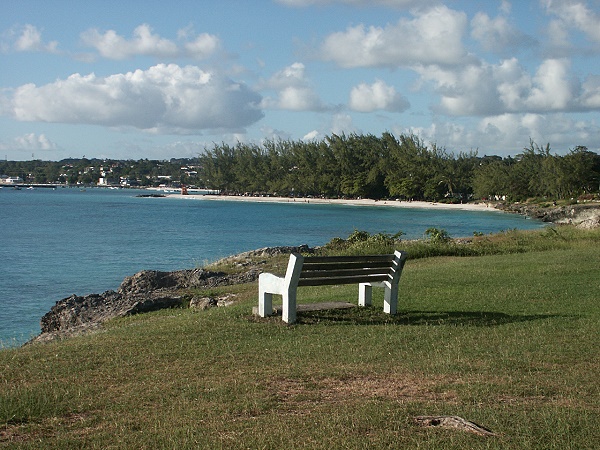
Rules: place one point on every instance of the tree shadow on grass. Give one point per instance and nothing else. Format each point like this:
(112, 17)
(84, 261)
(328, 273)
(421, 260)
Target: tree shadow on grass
(374, 316)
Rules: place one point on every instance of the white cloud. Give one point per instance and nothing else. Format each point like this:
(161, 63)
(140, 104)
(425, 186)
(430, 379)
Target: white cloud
(311, 136)
(466, 91)
(273, 135)
(293, 89)
(377, 96)
(558, 35)
(297, 98)
(590, 97)
(576, 14)
(513, 131)
(164, 98)
(342, 123)
(144, 42)
(293, 75)
(507, 134)
(497, 34)
(552, 89)
(203, 46)
(26, 38)
(431, 37)
(30, 142)
(486, 89)
(512, 82)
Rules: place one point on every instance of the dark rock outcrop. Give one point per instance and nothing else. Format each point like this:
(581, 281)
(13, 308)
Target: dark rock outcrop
(584, 215)
(145, 291)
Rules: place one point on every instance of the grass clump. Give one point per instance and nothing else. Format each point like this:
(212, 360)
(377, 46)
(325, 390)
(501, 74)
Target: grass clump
(438, 242)
(507, 340)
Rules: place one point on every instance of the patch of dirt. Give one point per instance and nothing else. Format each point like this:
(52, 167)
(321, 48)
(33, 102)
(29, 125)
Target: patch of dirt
(25, 432)
(298, 394)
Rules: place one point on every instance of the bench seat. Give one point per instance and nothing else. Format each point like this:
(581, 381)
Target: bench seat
(366, 271)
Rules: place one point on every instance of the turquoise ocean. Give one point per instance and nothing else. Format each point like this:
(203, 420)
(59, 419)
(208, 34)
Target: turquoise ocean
(54, 243)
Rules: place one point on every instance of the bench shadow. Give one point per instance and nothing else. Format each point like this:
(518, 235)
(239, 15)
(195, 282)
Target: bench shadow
(374, 316)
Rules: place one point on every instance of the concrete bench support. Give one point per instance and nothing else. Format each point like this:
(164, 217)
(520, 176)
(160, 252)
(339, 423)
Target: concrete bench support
(367, 271)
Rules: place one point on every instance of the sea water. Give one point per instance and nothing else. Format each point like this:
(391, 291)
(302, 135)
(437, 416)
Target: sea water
(54, 243)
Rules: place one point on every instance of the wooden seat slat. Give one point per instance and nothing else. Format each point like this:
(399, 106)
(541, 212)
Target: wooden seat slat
(344, 272)
(328, 281)
(346, 265)
(358, 259)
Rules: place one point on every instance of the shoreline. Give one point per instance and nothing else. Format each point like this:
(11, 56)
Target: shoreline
(326, 201)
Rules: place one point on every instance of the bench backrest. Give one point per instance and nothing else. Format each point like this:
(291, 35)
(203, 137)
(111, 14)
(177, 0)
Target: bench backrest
(328, 270)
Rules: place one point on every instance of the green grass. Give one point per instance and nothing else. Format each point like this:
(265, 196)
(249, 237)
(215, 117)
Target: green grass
(509, 341)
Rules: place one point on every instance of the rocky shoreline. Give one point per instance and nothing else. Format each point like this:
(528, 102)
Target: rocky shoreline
(581, 215)
(149, 290)
(152, 290)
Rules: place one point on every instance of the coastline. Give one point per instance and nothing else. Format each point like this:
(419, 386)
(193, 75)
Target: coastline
(326, 201)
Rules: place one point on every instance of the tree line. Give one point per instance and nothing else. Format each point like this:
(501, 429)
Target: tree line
(402, 167)
(350, 166)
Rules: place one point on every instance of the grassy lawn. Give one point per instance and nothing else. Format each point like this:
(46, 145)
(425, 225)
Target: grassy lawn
(507, 341)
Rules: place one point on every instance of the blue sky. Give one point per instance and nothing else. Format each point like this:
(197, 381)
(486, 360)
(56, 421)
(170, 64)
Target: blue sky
(150, 79)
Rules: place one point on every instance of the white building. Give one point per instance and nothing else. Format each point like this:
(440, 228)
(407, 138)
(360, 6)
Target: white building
(11, 180)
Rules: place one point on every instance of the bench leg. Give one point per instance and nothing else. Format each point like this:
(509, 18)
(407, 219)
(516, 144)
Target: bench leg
(265, 304)
(288, 310)
(365, 294)
(390, 301)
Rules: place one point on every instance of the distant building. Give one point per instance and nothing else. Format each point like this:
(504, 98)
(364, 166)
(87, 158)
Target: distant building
(104, 181)
(128, 182)
(4, 179)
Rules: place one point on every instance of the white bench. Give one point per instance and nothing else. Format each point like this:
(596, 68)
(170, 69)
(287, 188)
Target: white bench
(368, 271)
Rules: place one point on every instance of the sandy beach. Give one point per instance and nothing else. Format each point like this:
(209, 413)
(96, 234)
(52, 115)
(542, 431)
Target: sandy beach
(362, 202)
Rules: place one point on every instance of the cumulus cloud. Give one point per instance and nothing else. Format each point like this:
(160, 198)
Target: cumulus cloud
(342, 123)
(294, 91)
(164, 98)
(30, 142)
(558, 35)
(488, 89)
(270, 134)
(377, 96)
(26, 38)
(430, 37)
(515, 130)
(203, 46)
(465, 91)
(507, 134)
(590, 97)
(145, 42)
(552, 90)
(576, 14)
(33, 141)
(311, 136)
(497, 34)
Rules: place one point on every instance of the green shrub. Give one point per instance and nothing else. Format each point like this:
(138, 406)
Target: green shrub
(363, 242)
(437, 236)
